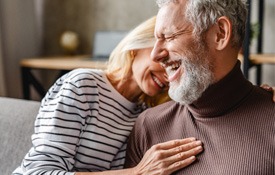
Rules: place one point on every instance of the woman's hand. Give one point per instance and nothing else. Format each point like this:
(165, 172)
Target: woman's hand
(161, 159)
(269, 88)
(167, 157)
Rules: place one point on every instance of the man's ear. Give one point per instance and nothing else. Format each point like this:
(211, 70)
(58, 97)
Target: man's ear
(223, 32)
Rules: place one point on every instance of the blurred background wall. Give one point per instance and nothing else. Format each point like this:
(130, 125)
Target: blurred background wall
(20, 38)
(32, 28)
(268, 70)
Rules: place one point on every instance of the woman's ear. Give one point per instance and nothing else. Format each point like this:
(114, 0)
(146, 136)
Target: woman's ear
(223, 32)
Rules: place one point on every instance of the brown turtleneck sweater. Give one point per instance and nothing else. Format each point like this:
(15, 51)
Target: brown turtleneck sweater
(234, 119)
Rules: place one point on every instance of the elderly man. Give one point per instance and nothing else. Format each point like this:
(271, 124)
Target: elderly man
(198, 43)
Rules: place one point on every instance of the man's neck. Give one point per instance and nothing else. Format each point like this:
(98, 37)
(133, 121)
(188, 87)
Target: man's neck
(222, 95)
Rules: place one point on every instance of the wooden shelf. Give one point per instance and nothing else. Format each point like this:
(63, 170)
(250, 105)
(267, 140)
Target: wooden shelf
(259, 58)
(262, 58)
(63, 63)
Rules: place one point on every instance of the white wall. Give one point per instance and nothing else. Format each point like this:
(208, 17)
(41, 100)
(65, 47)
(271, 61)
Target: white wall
(29, 25)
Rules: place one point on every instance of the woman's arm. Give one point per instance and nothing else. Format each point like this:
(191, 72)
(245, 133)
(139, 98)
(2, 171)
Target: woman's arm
(161, 159)
(58, 127)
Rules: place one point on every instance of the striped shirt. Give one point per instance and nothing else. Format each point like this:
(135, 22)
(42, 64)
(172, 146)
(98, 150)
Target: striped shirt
(82, 125)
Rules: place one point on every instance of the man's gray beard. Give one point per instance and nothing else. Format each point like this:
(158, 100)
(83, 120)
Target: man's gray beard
(196, 78)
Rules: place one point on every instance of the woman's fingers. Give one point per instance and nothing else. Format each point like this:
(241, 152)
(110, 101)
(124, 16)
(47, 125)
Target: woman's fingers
(273, 90)
(269, 88)
(266, 87)
(192, 150)
(173, 143)
(176, 147)
(183, 159)
(168, 157)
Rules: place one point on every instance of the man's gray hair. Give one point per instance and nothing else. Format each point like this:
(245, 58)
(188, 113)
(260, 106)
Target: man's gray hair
(161, 3)
(204, 13)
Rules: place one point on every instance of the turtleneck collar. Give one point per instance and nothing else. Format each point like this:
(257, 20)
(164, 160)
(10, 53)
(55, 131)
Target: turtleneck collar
(222, 96)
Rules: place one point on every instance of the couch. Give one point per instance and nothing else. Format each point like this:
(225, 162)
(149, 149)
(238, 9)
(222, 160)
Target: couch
(16, 127)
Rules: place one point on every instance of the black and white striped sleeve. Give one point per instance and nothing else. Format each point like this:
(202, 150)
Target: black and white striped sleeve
(58, 127)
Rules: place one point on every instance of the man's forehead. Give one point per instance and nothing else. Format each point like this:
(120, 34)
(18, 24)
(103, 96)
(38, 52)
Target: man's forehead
(170, 19)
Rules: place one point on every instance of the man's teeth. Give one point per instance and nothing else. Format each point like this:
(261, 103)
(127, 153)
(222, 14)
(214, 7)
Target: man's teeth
(171, 67)
(175, 65)
(158, 82)
(162, 64)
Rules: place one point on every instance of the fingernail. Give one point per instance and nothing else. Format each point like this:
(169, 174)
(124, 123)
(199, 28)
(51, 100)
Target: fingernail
(199, 148)
(192, 158)
(192, 138)
(198, 142)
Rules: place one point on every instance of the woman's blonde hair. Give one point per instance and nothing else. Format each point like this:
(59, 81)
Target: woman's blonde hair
(121, 58)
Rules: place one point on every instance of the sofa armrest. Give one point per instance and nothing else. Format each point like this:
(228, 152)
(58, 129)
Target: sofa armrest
(16, 127)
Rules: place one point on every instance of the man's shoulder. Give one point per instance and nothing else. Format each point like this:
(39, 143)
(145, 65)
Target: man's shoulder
(161, 111)
(261, 95)
(167, 106)
(260, 101)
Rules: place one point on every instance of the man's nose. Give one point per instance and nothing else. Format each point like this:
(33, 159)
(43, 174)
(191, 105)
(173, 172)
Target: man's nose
(159, 52)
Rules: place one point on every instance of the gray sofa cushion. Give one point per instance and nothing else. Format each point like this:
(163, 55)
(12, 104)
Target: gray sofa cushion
(16, 127)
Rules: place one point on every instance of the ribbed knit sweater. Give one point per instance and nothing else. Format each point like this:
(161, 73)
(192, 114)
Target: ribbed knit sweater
(234, 119)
